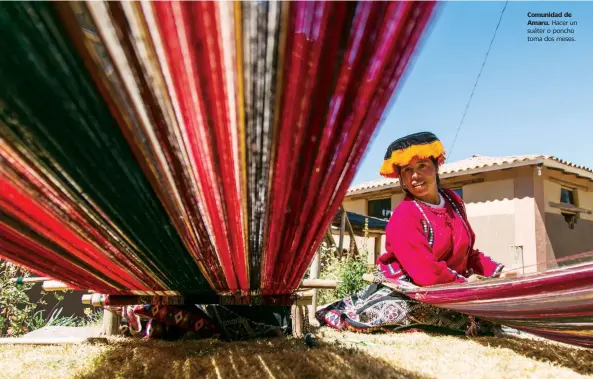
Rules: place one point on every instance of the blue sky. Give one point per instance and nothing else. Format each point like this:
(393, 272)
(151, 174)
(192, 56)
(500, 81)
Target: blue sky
(532, 97)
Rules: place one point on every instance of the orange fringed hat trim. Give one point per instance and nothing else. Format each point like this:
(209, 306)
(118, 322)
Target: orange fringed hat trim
(419, 145)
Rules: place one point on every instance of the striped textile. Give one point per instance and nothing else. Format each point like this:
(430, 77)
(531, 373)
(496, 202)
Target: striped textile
(556, 304)
(203, 148)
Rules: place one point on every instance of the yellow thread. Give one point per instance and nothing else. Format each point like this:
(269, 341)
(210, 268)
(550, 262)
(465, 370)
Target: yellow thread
(241, 113)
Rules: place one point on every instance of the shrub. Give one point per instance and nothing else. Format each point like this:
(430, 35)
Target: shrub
(348, 271)
(15, 306)
(351, 278)
(18, 315)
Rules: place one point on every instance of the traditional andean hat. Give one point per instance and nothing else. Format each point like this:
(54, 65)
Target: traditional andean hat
(421, 145)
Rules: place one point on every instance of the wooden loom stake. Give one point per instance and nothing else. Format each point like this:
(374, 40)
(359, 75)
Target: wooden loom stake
(111, 322)
(315, 266)
(297, 320)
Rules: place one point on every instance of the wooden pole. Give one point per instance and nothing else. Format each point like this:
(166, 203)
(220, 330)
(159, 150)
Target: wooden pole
(377, 249)
(29, 280)
(304, 298)
(315, 266)
(342, 229)
(297, 321)
(54, 285)
(329, 237)
(94, 299)
(319, 283)
(111, 322)
(50, 340)
(371, 278)
(353, 250)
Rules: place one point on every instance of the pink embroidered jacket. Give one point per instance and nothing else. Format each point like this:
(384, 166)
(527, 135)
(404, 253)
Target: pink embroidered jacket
(433, 245)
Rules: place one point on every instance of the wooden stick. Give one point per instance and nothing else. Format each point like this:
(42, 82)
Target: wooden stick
(99, 300)
(54, 285)
(371, 278)
(342, 229)
(88, 299)
(351, 234)
(29, 280)
(319, 283)
(49, 341)
(315, 266)
(330, 238)
(304, 298)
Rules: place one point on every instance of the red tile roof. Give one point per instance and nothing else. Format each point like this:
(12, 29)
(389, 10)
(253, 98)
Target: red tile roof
(479, 163)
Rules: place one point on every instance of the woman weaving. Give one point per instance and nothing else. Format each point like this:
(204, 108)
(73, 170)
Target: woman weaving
(429, 241)
(428, 238)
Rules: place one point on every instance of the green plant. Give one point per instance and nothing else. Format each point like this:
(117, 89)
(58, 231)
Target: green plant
(351, 279)
(18, 315)
(348, 271)
(36, 321)
(92, 317)
(15, 305)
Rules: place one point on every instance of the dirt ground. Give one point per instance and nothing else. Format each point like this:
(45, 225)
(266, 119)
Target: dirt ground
(336, 355)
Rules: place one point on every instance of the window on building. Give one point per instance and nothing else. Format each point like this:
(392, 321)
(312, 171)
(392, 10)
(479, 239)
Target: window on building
(458, 191)
(380, 208)
(567, 196)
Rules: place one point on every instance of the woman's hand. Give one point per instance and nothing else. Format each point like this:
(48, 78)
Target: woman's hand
(474, 278)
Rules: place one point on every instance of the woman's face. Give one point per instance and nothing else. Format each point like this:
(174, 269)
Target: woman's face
(420, 177)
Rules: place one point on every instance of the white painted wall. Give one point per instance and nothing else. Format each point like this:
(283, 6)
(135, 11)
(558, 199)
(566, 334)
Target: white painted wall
(356, 206)
(501, 221)
(585, 199)
(396, 199)
(362, 243)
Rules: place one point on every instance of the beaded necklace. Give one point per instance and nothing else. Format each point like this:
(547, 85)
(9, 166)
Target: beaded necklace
(426, 225)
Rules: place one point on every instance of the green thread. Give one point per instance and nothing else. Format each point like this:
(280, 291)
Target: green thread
(51, 106)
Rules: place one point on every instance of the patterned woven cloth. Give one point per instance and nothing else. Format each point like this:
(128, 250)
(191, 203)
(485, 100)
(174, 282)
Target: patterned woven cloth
(379, 308)
(231, 323)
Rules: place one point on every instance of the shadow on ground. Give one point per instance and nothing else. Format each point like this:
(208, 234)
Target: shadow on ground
(277, 357)
(576, 359)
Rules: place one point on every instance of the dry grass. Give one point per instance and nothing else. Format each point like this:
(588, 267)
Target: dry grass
(485, 357)
(338, 355)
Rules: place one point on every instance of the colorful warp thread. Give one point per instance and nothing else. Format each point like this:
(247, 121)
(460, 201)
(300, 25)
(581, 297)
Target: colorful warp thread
(556, 304)
(166, 148)
(202, 148)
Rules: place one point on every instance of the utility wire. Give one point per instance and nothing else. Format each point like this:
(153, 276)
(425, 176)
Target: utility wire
(477, 80)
